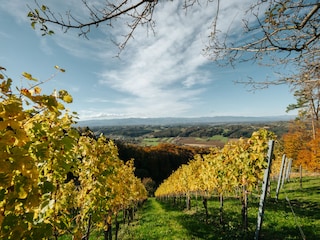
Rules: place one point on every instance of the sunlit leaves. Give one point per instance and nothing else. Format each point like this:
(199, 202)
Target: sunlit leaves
(238, 164)
(28, 76)
(107, 184)
(300, 145)
(60, 69)
(5, 86)
(37, 90)
(49, 175)
(65, 96)
(34, 16)
(18, 172)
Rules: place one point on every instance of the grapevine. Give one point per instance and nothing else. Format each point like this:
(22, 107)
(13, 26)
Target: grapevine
(52, 180)
(236, 169)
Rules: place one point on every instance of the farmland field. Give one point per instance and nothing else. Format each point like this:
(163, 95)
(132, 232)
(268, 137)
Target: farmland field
(202, 135)
(215, 141)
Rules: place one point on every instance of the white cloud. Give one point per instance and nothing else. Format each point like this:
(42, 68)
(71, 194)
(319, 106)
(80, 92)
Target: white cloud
(164, 74)
(89, 114)
(158, 75)
(45, 47)
(5, 35)
(17, 9)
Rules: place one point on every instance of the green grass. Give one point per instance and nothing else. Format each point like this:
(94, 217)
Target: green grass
(150, 141)
(155, 223)
(164, 220)
(310, 190)
(219, 138)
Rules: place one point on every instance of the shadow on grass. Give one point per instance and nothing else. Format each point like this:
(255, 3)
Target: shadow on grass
(201, 228)
(279, 221)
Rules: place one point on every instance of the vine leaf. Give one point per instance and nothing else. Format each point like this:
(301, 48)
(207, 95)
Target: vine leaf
(29, 76)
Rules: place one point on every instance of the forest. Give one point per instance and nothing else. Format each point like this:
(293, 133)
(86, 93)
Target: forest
(175, 145)
(229, 130)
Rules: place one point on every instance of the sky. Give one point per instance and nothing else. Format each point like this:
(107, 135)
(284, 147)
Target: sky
(160, 74)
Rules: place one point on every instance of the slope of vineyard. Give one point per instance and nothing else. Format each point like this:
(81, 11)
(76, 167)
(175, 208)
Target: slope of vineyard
(239, 164)
(235, 170)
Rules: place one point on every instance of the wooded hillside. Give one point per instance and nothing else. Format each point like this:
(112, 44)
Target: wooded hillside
(176, 144)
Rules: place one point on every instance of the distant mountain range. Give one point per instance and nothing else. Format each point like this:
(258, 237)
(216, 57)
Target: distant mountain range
(175, 121)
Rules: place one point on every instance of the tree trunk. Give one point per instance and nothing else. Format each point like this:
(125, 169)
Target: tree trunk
(108, 232)
(196, 201)
(244, 210)
(117, 226)
(205, 205)
(131, 214)
(124, 211)
(108, 227)
(300, 170)
(221, 208)
(188, 201)
(87, 235)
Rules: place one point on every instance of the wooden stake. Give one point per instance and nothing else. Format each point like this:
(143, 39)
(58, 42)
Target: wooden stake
(280, 175)
(264, 190)
(300, 169)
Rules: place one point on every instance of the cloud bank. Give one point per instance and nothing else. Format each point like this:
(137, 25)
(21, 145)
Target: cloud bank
(163, 74)
(159, 74)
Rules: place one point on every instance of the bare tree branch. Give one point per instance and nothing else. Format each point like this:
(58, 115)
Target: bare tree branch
(280, 26)
(140, 12)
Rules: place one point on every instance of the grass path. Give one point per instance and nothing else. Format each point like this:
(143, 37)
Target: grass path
(164, 221)
(155, 223)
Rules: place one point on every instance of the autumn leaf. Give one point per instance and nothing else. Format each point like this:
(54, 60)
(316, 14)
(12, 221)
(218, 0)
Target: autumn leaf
(25, 92)
(58, 68)
(65, 96)
(29, 76)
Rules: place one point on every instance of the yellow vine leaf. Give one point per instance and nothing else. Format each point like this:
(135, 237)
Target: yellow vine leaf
(60, 69)
(25, 92)
(5, 86)
(60, 106)
(37, 90)
(22, 194)
(28, 76)
(65, 96)
(68, 98)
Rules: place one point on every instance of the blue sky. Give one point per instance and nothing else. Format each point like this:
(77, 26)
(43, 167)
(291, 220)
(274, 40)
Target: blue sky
(158, 75)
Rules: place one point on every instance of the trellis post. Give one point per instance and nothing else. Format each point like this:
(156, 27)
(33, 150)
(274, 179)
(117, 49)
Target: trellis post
(280, 175)
(264, 190)
(300, 170)
(284, 172)
(288, 172)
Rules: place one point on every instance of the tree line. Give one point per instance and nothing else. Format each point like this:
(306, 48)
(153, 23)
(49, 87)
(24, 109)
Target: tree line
(234, 130)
